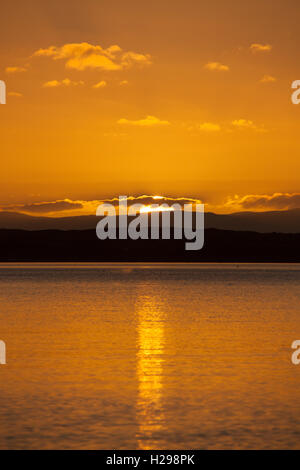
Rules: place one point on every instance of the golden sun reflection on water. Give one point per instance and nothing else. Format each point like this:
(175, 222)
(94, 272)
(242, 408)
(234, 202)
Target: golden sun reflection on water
(150, 364)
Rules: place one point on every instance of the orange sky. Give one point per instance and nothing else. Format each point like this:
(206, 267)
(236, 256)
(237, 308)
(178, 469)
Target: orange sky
(164, 97)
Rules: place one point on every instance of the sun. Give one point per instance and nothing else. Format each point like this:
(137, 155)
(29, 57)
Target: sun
(152, 208)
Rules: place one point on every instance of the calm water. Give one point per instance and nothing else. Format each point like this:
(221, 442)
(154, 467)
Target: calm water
(144, 357)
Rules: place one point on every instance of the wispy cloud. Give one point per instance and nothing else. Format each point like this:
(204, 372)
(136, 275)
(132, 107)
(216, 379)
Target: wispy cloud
(216, 66)
(149, 121)
(45, 207)
(15, 94)
(268, 79)
(226, 126)
(256, 47)
(264, 202)
(66, 82)
(132, 58)
(243, 124)
(209, 127)
(101, 84)
(16, 69)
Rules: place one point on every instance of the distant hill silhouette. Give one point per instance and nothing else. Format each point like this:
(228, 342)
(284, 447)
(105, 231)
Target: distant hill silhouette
(84, 246)
(263, 222)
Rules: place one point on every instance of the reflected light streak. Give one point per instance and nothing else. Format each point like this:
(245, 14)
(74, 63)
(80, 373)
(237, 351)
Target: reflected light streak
(150, 362)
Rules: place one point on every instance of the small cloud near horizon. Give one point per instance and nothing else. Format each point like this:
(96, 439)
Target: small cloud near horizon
(148, 121)
(264, 202)
(44, 207)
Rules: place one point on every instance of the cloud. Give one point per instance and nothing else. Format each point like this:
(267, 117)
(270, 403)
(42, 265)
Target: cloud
(15, 94)
(260, 47)
(156, 199)
(247, 124)
(124, 82)
(82, 56)
(46, 207)
(258, 202)
(209, 127)
(66, 82)
(131, 58)
(101, 84)
(250, 202)
(268, 79)
(67, 207)
(243, 124)
(149, 121)
(115, 134)
(15, 69)
(216, 66)
(52, 84)
(237, 124)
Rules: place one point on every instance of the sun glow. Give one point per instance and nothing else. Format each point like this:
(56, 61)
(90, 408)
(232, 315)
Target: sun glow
(147, 209)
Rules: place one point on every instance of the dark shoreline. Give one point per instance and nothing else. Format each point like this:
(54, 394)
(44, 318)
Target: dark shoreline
(84, 246)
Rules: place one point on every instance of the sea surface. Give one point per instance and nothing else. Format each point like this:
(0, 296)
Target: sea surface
(141, 356)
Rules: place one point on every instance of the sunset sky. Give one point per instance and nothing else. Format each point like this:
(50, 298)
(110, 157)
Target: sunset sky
(184, 99)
